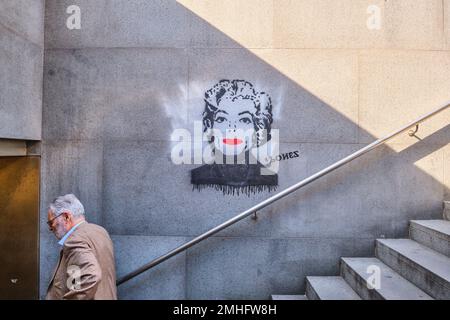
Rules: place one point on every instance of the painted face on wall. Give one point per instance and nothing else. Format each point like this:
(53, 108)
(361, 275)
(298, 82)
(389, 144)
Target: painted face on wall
(237, 121)
(234, 125)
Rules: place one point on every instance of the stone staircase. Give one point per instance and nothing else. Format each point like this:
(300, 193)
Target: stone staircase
(409, 269)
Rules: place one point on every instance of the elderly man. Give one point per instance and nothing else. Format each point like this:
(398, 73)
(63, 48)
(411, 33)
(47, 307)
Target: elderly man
(86, 264)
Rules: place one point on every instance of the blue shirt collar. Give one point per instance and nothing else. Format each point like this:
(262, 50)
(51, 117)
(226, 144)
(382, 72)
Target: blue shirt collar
(63, 239)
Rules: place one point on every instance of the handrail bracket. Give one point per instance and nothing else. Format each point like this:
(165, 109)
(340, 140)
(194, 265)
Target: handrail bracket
(413, 132)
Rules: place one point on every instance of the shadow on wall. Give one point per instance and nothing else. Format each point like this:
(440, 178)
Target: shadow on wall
(108, 116)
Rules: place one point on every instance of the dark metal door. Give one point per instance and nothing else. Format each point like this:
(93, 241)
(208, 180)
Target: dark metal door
(19, 227)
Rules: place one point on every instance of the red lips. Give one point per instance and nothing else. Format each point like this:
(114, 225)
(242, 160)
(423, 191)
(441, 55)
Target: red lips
(232, 141)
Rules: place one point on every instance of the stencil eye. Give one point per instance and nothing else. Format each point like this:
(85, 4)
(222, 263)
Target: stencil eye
(220, 119)
(245, 120)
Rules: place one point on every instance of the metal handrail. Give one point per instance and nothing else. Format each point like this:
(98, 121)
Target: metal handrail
(278, 196)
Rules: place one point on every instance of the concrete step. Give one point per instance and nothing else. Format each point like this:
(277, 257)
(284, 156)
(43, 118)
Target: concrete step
(434, 234)
(427, 269)
(357, 271)
(329, 288)
(289, 297)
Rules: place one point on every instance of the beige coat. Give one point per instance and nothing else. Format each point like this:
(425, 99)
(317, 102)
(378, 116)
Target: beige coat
(89, 252)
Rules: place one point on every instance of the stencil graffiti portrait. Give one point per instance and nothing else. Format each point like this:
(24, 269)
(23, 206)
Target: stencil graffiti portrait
(237, 121)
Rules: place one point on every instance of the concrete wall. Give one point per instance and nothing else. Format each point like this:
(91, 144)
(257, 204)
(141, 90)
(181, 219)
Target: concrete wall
(116, 89)
(21, 61)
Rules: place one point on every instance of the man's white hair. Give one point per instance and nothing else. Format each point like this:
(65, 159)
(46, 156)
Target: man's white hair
(66, 203)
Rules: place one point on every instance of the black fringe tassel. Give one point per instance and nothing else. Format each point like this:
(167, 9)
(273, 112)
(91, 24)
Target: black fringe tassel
(235, 190)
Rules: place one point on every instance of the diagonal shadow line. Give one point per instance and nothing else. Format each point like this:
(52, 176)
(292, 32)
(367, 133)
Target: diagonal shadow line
(313, 110)
(415, 152)
(437, 136)
(409, 156)
(432, 140)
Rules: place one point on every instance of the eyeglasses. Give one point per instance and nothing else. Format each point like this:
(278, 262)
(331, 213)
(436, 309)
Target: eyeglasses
(50, 222)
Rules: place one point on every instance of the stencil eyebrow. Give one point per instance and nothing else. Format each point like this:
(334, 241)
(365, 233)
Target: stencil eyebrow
(243, 112)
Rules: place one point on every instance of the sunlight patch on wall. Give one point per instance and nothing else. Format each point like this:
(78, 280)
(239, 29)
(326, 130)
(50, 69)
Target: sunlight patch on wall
(379, 90)
(250, 25)
(249, 22)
